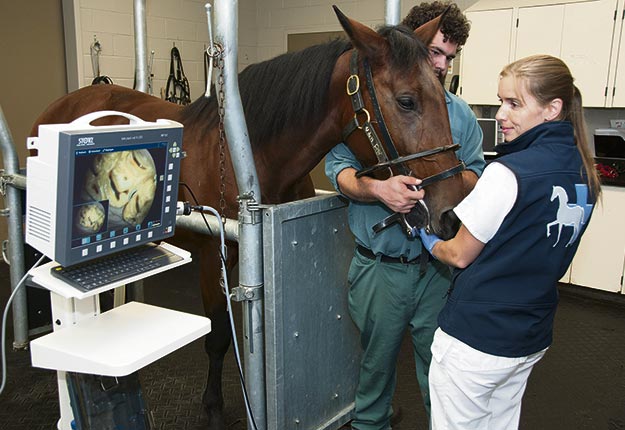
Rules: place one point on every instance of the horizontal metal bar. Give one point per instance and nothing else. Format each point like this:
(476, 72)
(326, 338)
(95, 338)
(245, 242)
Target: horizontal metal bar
(195, 223)
(16, 180)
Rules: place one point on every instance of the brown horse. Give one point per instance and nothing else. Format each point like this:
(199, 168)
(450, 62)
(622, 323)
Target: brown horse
(296, 108)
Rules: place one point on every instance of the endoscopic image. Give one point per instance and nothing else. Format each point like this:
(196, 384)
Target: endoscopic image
(122, 182)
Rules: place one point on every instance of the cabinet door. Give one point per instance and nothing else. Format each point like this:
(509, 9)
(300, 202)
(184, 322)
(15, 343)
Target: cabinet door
(598, 262)
(539, 31)
(486, 52)
(586, 47)
(618, 56)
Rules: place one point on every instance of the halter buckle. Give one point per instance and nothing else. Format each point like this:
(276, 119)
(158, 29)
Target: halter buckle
(359, 124)
(353, 85)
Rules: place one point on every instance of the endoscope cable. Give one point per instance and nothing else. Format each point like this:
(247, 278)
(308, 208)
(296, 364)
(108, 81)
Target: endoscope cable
(185, 209)
(4, 322)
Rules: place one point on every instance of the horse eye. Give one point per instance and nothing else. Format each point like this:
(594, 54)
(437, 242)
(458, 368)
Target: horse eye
(406, 103)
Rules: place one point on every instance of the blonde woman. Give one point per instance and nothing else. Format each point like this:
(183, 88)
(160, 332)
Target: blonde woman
(521, 226)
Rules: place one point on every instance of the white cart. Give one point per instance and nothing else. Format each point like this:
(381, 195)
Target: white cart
(114, 343)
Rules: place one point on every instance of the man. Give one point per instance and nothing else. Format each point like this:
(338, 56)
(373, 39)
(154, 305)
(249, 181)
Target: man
(388, 294)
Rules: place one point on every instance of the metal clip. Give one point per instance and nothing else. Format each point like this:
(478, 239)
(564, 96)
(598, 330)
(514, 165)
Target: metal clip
(249, 209)
(15, 180)
(243, 293)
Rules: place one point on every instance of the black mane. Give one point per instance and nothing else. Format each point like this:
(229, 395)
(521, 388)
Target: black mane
(284, 92)
(290, 91)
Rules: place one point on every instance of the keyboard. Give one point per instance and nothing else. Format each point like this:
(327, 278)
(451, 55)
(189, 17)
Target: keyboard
(115, 267)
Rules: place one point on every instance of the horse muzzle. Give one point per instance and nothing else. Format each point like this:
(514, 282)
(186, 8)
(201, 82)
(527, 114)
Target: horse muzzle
(448, 226)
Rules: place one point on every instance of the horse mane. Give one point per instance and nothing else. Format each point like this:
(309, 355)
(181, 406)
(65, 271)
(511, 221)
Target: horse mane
(290, 91)
(287, 91)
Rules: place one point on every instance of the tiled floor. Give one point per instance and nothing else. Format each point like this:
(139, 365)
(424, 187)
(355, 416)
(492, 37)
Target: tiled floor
(580, 384)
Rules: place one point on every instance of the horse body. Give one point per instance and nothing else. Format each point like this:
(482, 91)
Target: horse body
(295, 114)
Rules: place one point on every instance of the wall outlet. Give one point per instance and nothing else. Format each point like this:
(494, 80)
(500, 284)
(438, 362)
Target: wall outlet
(617, 123)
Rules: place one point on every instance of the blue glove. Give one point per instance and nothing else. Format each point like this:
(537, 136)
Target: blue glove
(428, 240)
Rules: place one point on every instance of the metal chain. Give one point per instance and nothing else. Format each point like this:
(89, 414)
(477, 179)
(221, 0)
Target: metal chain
(218, 62)
(217, 55)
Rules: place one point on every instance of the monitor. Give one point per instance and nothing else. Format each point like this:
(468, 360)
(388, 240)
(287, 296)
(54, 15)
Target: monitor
(96, 190)
(490, 130)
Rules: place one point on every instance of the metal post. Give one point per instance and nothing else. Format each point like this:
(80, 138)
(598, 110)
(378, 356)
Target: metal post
(141, 70)
(250, 226)
(135, 289)
(16, 236)
(391, 12)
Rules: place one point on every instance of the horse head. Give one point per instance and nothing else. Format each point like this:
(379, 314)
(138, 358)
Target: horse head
(394, 96)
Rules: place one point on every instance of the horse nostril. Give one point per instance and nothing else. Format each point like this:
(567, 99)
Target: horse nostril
(449, 225)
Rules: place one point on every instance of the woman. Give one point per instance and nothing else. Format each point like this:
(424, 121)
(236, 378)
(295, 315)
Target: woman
(521, 226)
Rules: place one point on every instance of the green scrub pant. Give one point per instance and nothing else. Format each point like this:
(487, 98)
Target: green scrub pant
(385, 299)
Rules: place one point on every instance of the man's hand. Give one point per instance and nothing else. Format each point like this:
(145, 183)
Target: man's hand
(396, 192)
(399, 193)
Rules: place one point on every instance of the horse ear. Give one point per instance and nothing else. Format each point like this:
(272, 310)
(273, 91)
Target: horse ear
(427, 31)
(362, 37)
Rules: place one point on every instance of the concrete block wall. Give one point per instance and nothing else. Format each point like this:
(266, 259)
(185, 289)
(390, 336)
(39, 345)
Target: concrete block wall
(169, 22)
(279, 18)
(263, 29)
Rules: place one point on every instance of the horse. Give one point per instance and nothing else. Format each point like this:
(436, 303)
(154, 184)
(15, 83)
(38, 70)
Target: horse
(296, 109)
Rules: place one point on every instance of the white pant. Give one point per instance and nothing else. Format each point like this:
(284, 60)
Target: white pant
(472, 390)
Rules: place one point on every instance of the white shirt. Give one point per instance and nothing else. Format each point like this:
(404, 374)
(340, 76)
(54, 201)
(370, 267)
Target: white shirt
(484, 209)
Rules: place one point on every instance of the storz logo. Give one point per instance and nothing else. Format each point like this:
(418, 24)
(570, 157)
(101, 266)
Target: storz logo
(85, 141)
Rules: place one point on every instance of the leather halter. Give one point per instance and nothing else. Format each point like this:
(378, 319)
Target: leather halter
(353, 90)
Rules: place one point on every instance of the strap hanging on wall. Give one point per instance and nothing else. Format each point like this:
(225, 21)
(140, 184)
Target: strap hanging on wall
(95, 64)
(177, 89)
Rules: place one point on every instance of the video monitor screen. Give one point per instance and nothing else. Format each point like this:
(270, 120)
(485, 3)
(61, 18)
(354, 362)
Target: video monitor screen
(117, 191)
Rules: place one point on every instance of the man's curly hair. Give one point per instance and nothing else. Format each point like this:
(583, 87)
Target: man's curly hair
(455, 27)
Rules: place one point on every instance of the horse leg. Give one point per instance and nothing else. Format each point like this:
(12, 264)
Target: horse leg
(218, 340)
(216, 345)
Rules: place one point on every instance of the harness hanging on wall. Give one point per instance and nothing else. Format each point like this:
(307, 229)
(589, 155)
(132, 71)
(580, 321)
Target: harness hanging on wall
(177, 89)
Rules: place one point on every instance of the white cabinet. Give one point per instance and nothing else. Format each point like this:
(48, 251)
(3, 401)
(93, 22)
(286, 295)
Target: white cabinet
(617, 69)
(584, 33)
(486, 52)
(586, 47)
(539, 31)
(600, 258)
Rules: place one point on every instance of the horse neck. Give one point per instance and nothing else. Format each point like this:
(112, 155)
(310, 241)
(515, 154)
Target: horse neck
(284, 163)
(299, 151)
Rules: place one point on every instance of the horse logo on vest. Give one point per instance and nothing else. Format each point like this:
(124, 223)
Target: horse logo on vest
(570, 215)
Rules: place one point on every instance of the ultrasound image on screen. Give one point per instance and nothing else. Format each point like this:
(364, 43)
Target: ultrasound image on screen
(115, 191)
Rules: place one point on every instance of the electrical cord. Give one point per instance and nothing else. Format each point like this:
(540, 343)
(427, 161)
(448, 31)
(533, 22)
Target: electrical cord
(184, 208)
(4, 322)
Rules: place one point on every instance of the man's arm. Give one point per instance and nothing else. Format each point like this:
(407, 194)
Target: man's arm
(468, 133)
(341, 167)
(394, 192)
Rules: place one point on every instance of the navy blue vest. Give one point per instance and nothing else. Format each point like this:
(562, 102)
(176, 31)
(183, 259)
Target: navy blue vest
(505, 301)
